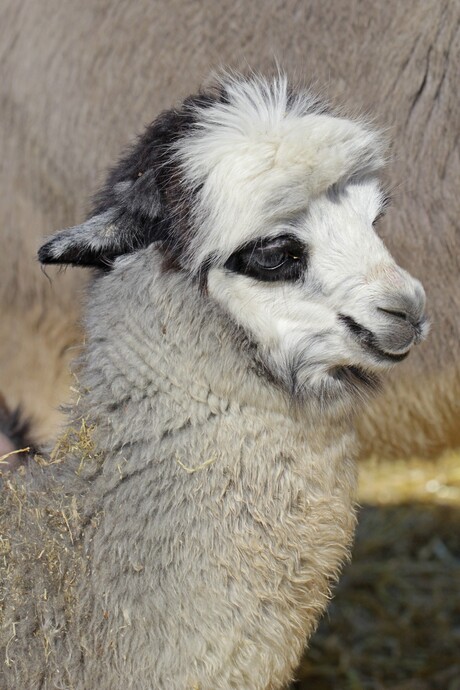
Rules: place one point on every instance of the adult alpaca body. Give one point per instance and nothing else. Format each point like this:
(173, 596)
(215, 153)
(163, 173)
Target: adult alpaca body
(243, 306)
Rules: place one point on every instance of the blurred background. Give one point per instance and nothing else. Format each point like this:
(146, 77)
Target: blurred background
(79, 80)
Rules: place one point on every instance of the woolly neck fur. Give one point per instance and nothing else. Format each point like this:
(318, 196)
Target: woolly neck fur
(206, 527)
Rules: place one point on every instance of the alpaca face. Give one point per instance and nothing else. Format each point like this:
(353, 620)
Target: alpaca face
(287, 197)
(322, 296)
(268, 200)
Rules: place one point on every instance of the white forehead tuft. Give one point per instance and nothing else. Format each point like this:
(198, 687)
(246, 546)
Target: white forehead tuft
(256, 158)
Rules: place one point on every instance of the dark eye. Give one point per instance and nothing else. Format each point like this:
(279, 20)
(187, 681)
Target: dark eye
(279, 258)
(269, 259)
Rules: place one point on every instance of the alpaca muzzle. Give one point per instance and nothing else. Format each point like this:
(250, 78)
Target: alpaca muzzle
(398, 322)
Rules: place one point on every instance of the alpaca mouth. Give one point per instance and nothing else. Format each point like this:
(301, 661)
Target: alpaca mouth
(368, 341)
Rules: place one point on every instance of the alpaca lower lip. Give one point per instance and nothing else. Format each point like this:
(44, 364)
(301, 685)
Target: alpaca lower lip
(368, 341)
(382, 355)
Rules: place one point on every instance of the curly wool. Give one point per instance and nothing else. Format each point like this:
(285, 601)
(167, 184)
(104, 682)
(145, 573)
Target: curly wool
(190, 536)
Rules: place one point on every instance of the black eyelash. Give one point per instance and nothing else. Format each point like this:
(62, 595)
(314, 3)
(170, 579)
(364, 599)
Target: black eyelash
(386, 202)
(378, 217)
(288, 256)
(383, 209)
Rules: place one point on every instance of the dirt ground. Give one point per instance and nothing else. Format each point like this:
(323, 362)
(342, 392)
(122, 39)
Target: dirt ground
(394, 623)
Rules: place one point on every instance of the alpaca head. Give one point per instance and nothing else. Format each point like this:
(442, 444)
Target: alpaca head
(269, 202)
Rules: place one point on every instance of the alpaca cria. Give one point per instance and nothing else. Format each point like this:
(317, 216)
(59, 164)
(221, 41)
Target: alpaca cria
(186, 532)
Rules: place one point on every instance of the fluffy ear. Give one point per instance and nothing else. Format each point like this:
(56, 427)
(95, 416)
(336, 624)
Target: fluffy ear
(93, 243)
(142, 201)
(132, 222)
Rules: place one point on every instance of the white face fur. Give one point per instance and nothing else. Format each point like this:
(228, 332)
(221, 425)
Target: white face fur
(349, 312)
(287, 199)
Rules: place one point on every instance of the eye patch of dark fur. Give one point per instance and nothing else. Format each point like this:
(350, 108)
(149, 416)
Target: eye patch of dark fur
(282, 258)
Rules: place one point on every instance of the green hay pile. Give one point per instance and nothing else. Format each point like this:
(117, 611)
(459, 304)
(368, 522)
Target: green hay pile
(394, 623)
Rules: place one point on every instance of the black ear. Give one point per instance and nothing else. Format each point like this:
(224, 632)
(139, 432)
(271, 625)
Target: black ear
(132, 222)
(93, 243)
(142, 201)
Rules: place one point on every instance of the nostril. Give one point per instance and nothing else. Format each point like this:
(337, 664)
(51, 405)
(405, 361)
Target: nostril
(397, 313)
(404, 309)
(419, 326)
(404, 301)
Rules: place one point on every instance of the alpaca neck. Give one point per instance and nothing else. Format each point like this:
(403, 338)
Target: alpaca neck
(161, 356)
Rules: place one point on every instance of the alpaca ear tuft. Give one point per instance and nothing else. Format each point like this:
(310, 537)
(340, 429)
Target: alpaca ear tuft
(96, 242)
(132, 220)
